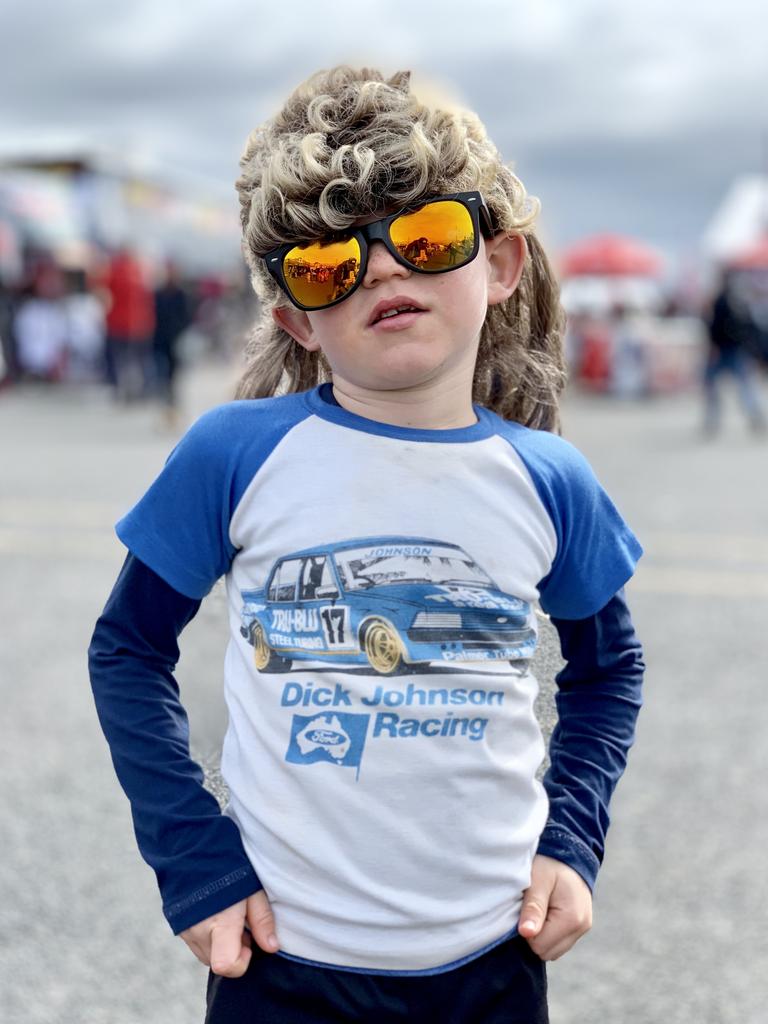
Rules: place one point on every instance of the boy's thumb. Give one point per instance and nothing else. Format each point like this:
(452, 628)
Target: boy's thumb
(533, 914)
(262, 922)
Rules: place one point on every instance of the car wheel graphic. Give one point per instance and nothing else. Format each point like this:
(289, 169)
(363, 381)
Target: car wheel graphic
(264, 658)
(382, 647)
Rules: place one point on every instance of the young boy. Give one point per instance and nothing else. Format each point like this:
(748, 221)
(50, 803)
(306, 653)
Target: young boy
(384, 541)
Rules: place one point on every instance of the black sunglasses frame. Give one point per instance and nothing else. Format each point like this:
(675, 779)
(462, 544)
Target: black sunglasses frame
(378, 231)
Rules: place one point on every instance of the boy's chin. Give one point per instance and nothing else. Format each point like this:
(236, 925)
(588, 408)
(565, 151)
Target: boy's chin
(410, 378)
(410, 369)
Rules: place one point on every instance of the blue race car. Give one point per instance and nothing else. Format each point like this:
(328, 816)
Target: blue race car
(391, 603)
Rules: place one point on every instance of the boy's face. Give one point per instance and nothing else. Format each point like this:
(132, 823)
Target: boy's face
(436, 340)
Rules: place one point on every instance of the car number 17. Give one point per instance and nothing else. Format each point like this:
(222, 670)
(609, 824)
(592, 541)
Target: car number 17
(335, 622)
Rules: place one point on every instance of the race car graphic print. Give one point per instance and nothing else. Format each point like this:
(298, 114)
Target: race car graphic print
(393, 604)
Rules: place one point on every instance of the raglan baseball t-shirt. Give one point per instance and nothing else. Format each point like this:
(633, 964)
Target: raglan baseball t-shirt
(382, 748)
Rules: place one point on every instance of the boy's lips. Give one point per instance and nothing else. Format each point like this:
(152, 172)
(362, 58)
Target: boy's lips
(395, 313)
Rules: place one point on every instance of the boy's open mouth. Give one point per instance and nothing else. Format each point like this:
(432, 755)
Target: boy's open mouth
(397, 309)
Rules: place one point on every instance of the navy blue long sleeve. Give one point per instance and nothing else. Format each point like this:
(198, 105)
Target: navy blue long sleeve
(195, 850)
(598, 699)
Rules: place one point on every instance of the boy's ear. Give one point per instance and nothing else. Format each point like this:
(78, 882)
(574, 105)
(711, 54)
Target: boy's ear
(506, 259)
(296, 323)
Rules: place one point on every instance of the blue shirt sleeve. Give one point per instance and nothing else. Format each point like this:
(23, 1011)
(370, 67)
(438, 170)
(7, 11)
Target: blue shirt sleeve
(598, 700)
(194, 849)
(180, 528)
(596, 551)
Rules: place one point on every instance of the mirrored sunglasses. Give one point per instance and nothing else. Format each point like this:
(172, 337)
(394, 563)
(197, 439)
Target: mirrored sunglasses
(434, 238)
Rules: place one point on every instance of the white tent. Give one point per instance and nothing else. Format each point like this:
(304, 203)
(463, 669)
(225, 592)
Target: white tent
(740, 220)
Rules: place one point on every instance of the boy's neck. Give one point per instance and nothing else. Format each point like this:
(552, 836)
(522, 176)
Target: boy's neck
(423, 407)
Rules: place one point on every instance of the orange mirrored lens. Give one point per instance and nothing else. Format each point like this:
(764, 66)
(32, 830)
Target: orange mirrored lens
(439, 236)
(318, 274)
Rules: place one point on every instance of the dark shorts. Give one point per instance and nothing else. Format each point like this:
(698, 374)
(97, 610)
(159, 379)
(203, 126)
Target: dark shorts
(507, 985)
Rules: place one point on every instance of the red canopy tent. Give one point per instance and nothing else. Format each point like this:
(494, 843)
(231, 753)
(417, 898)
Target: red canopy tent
(610, 256)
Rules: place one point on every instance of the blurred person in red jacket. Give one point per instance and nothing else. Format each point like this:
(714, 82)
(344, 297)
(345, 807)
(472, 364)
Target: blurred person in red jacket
(130, 323)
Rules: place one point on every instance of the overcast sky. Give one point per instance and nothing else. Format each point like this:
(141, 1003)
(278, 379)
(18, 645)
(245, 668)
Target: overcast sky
(631, 118)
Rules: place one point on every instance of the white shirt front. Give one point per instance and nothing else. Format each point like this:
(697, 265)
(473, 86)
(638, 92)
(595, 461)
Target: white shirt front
(382, 748)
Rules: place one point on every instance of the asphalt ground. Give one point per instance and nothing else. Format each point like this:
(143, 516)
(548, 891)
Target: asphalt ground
(680, 923)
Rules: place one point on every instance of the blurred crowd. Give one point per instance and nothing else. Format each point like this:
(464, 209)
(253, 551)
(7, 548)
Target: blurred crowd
(129, 324)
(637, 348)
(123, 322)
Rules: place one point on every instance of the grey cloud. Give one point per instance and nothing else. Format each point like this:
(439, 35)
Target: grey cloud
(612, 120)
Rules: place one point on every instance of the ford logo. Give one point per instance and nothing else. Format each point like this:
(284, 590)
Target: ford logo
(326, 737)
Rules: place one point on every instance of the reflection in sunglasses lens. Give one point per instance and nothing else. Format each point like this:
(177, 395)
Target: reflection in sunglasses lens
(439, 236)
(318, 274)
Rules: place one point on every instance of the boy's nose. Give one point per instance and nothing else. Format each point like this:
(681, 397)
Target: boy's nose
(382, 265)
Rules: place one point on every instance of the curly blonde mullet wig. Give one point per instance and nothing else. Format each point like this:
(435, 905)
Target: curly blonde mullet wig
(349, 144)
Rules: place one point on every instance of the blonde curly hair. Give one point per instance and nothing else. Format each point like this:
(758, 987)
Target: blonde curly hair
(349, 144)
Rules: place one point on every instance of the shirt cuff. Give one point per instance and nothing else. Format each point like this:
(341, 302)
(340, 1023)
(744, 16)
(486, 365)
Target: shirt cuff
(212, 898)
(562, 845)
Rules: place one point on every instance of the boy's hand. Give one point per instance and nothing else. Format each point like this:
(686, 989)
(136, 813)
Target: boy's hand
(557, 908)
(221, 941)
